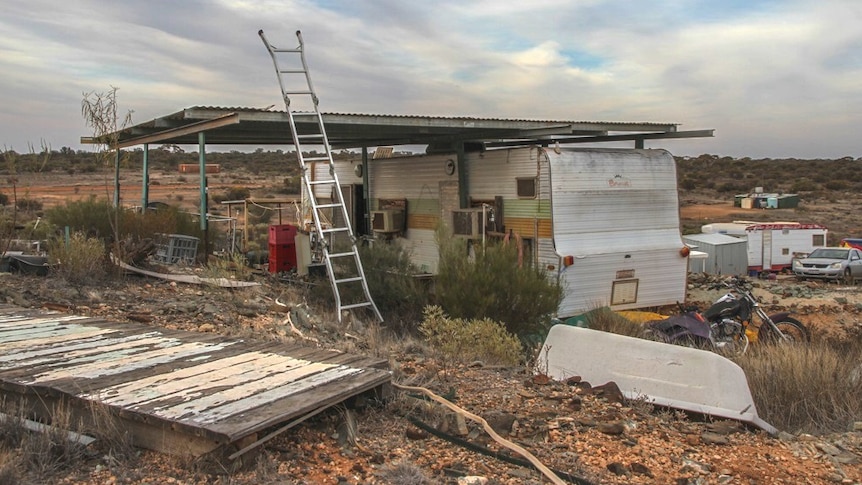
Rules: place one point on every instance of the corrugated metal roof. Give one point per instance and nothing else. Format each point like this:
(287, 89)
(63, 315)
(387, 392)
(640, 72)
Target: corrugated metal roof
(262, 126)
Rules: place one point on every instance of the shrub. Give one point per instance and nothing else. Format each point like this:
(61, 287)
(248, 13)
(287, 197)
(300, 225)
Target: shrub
(810, 388)
(467, 340)
(92, 216)
(492, 284)
(29, 205)
(4, 199)
(96, 217)
(233, 193)
(399, 296)
(80, 261)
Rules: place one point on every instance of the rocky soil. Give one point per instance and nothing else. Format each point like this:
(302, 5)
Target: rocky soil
(586, 433)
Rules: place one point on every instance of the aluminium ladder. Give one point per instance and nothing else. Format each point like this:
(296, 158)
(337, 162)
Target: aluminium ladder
(342, 263)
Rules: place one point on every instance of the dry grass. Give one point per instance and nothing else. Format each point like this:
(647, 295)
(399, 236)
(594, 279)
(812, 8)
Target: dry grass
(28, 456)
(812, 388)
(607, 321)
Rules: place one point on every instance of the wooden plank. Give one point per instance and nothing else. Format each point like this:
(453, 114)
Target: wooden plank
(298, 404)
(182, 392)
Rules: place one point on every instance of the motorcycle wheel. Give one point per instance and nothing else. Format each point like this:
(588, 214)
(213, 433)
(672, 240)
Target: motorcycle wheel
(793, 330)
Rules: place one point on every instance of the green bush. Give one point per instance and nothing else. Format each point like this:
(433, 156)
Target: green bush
(29, 205)
(491, 284)
(79, 262)
(96, 218)
(468, 340)
(399, 296)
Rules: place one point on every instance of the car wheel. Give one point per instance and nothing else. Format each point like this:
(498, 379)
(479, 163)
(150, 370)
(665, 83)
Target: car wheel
(848, 277)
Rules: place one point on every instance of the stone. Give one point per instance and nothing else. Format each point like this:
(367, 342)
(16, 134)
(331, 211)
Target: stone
(711, 438)
(617, 468)
(641, 469)
(472, 480)
(501, 422)
(614, 428)
(416, 434)
(610, 392)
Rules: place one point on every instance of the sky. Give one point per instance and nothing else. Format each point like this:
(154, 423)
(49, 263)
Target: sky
(773, 78)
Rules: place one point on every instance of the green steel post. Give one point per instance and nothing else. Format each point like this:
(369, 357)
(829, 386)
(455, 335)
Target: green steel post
(145, 184)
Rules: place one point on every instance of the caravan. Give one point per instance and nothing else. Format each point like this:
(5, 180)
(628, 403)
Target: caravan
(604, 222)
(772, 246)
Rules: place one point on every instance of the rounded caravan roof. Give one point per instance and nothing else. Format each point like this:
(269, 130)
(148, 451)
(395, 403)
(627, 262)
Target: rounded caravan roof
(732, 228)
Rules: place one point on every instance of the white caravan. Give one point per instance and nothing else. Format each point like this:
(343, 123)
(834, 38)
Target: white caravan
(604, 222)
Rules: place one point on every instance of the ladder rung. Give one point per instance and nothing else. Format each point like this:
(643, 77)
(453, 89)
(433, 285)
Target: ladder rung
(315, 135)
(340, 255)
(292, 71)
(327, 206)
(349, 280)
(298, 92)
(296, 50)
(355, 305)
(335, 229)
(315, 159)
(321, 182)
(303, 113)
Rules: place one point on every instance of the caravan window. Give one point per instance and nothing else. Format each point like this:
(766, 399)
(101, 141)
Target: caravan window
(818, 240)
(526, 187)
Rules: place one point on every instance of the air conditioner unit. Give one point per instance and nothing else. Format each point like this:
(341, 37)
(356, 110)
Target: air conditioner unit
(387, 220)
(469, 223)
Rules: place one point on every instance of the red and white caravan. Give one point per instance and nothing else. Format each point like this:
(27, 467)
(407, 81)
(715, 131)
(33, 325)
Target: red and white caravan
(772, 246)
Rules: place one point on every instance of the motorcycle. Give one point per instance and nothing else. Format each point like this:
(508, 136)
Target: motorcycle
(730, 324)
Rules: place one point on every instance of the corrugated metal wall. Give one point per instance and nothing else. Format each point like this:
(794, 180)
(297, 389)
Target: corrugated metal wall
(418, 180)
(617, 212)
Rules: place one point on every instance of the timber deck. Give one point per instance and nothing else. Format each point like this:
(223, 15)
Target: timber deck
(176, 392)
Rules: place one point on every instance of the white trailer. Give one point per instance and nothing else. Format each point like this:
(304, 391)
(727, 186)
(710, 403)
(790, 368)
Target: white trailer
(604, 222)
(772, 246)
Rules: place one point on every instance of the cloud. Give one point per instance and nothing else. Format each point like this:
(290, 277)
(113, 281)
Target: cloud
(774, 78)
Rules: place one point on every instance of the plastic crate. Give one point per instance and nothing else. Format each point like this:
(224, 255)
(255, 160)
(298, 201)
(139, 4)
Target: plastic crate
(281, 265)
(282, 234)
(176, 248)
(282, 253)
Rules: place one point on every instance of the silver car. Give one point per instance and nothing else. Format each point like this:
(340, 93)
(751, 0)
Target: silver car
(830, 263)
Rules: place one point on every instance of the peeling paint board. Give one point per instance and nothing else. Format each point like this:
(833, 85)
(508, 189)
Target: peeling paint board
(294, 406)
(166, 370)
(52, 338)
(119, 362)
(14, 321)
(237, 392)
(92, 345)
(329, 377)
(179, 376)
(179, 390)
(167, 389)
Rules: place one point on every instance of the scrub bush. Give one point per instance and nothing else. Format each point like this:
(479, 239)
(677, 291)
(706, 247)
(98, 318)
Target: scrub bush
(399, 296)
(79, 262)
(489, 283)
(464, 340)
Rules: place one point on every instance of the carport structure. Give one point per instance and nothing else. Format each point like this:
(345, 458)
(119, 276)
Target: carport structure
(203, 125)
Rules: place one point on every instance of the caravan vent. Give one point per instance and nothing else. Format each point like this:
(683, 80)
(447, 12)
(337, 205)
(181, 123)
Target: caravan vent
(389, 220)
(469, 223)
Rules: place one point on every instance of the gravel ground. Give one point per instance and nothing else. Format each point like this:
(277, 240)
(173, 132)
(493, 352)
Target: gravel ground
(570, 427)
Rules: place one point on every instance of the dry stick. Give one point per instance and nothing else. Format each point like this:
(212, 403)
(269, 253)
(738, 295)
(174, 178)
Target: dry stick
(499, 439)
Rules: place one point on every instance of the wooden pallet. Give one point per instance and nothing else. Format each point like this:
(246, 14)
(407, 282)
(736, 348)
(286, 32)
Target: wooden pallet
(176, 392)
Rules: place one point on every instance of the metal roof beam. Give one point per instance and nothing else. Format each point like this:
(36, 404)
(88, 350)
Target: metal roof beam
(168, 135)
(607, 138)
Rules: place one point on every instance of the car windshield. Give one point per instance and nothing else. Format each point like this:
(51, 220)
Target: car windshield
(829, 253)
